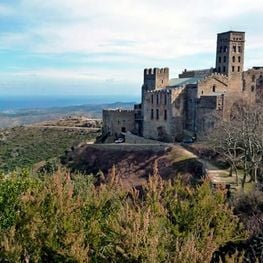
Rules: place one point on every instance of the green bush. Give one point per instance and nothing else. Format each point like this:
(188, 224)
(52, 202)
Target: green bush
(66, 218)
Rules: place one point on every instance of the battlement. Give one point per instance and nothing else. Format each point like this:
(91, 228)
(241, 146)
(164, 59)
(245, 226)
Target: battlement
(155, 78)
(218, 76)
(155, 71)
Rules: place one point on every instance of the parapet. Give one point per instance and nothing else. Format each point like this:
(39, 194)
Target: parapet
(155, 71)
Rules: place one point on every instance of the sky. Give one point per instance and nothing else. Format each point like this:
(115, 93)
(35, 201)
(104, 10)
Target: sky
(95, 48)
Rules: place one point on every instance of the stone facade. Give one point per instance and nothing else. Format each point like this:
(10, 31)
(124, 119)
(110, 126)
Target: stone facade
(173, 108)
(117, 121)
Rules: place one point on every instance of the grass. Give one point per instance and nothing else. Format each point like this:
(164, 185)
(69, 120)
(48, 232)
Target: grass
(25, 146)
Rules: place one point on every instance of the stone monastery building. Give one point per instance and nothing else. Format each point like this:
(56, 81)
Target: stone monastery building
(174, 108)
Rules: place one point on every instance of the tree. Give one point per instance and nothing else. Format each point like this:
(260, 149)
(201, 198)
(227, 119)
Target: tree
(239, 140)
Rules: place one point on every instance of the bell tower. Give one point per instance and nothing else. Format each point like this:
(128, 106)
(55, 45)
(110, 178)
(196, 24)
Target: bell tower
(230, 52)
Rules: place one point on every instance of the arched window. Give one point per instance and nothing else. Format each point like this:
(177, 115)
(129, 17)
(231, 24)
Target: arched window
(239, 59)
(233, 59)
(233, 69)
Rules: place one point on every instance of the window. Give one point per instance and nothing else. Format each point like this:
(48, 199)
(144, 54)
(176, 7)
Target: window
(238, 68)
(157, 114)
(253, 78)
(224, 58)
(239, 49)
(157, 99)
(233, 69)
(224, 69)
(233, 59)
(219, 60)
(219, 69)
(234, 49)
(252, 88)
(239, 59)
(165, 115)
(225, 48)
(152, 99)
(220, 49)
(165, 99)
(151, 114)
(214, 88)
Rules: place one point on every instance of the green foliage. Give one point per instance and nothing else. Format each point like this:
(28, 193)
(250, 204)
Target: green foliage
(26, 146)
(66, 218)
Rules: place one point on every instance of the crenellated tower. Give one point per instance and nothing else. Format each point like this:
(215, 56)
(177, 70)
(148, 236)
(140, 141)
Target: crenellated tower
(155, 78)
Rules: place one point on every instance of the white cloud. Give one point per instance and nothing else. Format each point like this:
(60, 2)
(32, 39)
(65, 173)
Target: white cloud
(149, 30)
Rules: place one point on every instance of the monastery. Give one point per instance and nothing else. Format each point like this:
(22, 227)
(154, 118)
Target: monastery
(172, 109)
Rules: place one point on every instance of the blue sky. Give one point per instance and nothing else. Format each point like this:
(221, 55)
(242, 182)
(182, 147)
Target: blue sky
(94, 47)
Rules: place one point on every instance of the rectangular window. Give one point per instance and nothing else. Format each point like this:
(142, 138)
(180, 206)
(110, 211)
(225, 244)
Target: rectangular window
(151, 114)
(239, 49)
(165, 99)
(224, 59)
(234, 49)
(238, 69)
(165, 115)
(157, 114)
(233, 68)
(152, 99)
(157, 99)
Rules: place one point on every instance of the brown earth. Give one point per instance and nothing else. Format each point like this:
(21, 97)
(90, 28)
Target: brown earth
(134, 163)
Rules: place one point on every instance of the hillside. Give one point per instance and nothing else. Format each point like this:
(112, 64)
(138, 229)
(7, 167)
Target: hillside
(31, 116)
(134, 163)
(24, 146)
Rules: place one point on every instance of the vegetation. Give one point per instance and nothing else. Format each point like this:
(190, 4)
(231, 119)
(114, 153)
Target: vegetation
(24, 146)
(66, 218)
(240, 141)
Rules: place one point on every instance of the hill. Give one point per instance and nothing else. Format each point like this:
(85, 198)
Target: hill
(135, 162)
(24, 146)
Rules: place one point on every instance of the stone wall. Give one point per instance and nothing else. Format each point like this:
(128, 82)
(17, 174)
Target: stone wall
(117, 121)
(214, 84)
(163, 114)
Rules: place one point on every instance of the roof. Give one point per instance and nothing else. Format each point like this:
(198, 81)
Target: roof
(183, 81)
(231, 31)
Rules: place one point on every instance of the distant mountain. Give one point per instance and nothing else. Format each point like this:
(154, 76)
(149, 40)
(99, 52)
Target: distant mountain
(35, 115)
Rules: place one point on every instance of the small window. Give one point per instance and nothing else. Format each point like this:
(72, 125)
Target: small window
(165, 115)
(219, 60)
(157, 114)
(234, 49)
(224, 58)
(233, 59)
(253, 78)
(252, 88)
(239, 59)
(202, 92)
(152, 99)
(220, 49)
(225, 48)
(224, 69)
(238, 69)
(233, 69)
(165, 99)
(239, 49)
(214, 88)
(219, 69)
(157, 99)
(151, 114)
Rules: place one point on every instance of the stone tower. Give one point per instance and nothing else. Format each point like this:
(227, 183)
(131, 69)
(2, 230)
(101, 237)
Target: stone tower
(230, 52)
(155, 78)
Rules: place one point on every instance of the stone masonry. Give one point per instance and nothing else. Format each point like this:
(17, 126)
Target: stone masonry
(173, 109)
